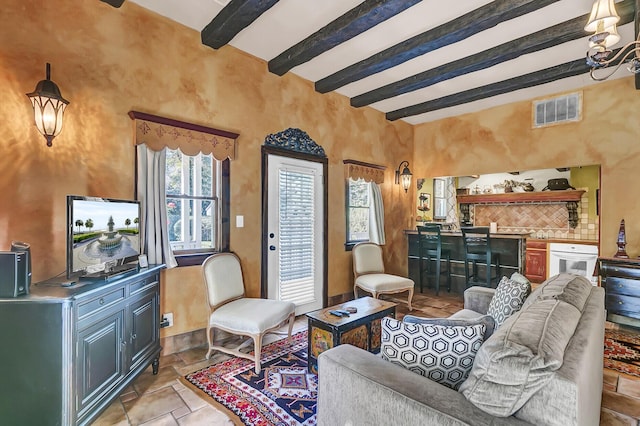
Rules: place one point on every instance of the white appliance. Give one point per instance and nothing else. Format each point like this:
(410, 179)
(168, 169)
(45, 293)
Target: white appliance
(574, 259)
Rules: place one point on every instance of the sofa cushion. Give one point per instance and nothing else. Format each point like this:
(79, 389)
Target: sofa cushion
(520, 357)
(570, 288)
(443, 354)
(508, 299)
(476, 319)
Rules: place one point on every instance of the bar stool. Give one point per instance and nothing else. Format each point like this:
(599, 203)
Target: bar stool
(430, 249)
(477, 247)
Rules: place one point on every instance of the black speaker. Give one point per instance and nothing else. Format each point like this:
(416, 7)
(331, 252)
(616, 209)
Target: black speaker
(19, 246)
(14, 277)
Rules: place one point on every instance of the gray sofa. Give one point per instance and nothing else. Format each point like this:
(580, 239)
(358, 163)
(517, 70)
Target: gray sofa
(359, 388)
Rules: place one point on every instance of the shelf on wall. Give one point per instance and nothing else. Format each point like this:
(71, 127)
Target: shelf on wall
(523, 197)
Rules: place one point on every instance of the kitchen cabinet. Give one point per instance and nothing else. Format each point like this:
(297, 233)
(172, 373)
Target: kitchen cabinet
(536, 261)
(70, 351)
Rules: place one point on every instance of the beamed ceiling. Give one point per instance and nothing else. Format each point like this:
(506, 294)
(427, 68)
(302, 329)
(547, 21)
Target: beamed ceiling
(416, 61)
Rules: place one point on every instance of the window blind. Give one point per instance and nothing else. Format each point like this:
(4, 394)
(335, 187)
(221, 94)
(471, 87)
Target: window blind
(296, 224)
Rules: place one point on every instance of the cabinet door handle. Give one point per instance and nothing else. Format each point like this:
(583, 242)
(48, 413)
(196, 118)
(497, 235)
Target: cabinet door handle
(101, 301)
(133, 336)
(619, 303)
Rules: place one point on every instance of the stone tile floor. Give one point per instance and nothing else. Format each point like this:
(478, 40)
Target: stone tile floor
(162, 400)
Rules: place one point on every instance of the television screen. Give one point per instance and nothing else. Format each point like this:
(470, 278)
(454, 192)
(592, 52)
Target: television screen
(100, 230)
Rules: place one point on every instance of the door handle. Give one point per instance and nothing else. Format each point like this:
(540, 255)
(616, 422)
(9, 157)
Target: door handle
(272, 248)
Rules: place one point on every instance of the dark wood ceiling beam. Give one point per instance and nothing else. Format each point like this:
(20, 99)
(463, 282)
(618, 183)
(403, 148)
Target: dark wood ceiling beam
(568, 69)
(114, 3)
(361, 18)
(557, 34)
(233, 18)
(451, 32)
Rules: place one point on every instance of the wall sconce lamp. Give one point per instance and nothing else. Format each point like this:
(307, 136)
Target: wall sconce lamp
(48, 107)
(602, 23)
(405, 176)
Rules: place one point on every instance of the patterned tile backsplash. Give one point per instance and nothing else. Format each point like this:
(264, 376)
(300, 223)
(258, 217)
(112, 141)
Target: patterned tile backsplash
(543, 220)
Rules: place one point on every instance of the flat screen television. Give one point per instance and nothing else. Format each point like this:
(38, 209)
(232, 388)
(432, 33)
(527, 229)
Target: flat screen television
(101, 231)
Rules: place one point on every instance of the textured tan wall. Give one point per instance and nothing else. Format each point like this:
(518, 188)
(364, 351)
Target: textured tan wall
(109, 61)
(501, 139)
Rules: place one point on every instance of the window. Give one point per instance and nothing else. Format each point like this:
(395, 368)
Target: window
(439, 199)
(357, 211)
(194, 188)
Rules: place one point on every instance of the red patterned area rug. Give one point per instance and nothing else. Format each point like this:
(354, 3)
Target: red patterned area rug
(283, 393)
(622, 351)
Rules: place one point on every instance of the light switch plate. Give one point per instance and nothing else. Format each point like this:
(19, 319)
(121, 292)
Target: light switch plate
(239, 221)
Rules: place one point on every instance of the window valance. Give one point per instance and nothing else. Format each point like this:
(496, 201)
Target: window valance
(369, 172)
(159, 132)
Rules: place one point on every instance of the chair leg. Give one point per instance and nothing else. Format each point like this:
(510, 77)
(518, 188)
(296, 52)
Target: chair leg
(410, 298)
(489, 272)
(437, 275)
(449, 274)
(292, 319)
(466, 273)
(209, 341)
(355, 291)
(421, 266)
(257, 349)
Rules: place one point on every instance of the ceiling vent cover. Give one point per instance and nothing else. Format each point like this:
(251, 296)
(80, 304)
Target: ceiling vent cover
(558, 110)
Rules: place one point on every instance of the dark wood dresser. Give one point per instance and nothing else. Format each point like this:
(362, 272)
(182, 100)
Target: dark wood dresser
(69, 351)
(621, 281)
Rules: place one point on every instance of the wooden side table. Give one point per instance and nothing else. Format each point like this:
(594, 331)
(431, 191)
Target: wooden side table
(361, 329)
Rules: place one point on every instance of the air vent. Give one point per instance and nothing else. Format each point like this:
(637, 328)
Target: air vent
(562, 109)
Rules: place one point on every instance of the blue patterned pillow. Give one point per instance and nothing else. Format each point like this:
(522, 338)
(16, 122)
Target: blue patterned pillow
(443, 354)
(508, 299)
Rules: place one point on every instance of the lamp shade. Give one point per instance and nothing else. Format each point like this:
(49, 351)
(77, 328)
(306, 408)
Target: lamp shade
(404, 177)
(603, 15)
(48, 107)
(610, 40)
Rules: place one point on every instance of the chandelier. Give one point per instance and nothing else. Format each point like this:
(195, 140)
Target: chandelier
(602, 23)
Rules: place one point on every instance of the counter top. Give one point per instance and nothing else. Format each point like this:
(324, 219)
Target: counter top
(493, 235)
(566, 241)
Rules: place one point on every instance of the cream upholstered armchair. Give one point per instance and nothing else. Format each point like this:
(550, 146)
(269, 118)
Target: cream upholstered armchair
(369, 275)
(234, 313)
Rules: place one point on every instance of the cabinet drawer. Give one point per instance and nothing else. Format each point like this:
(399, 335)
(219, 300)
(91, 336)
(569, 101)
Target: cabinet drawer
(142, 285)
(626, 286)
(623, 305)
(100, 303)
(540, 245)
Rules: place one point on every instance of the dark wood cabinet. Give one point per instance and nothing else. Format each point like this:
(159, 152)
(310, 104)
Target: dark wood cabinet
(621, 282)
(510, 246)
(77, 348)
(536, 261)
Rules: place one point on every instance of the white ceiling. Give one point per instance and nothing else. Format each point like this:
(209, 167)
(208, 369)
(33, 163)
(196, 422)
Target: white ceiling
(290, 21)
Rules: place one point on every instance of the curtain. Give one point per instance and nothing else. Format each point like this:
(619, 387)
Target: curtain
(151, 193)
(376, 214)
(452, 203)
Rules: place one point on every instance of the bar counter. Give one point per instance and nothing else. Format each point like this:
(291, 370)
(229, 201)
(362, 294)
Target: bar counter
(511, 247)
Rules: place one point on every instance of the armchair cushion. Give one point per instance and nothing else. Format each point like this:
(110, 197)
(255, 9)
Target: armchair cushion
(443, 354)
(383, 282)
(251, 315)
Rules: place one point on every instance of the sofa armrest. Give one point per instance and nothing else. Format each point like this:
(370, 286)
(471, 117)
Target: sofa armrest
(477, 298)
(356, 387)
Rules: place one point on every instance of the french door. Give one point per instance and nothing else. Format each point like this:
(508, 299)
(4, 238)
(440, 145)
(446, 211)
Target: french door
(295, 232)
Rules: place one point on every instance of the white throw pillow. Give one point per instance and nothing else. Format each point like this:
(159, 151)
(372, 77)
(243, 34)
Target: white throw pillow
(443, 354)
(508, 299)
